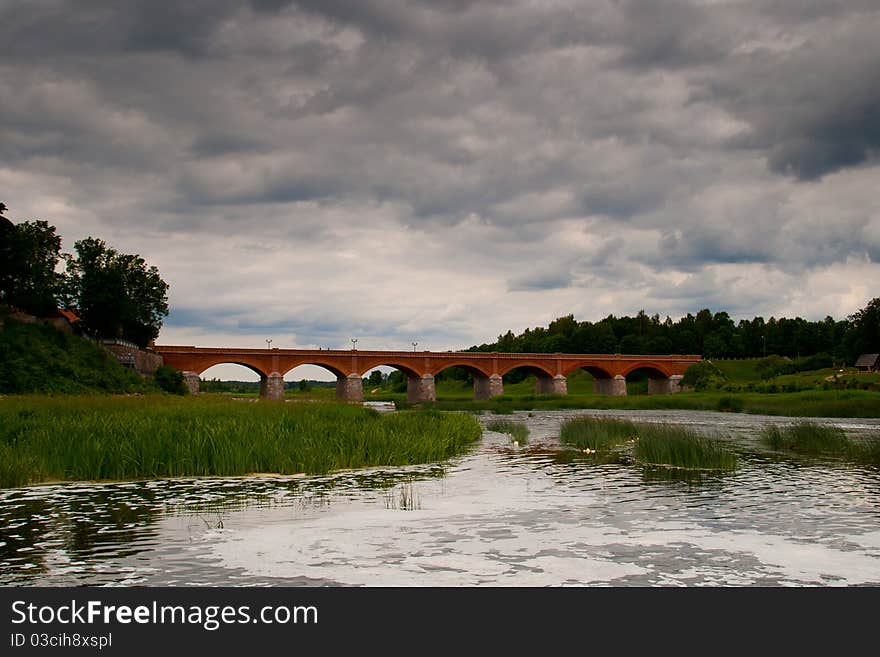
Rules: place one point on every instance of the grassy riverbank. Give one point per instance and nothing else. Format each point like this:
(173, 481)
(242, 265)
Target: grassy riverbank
(818, 393)
(36, 358)
(814, 403)
(117, 438)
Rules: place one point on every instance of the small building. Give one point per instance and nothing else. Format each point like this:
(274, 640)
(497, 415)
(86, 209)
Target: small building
(868, 362)
(62, 319)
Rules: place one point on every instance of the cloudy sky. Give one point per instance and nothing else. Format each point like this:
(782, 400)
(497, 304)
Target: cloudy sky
(440, 171)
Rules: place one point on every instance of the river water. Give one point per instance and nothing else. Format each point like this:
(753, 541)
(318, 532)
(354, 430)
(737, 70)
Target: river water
(500, 515)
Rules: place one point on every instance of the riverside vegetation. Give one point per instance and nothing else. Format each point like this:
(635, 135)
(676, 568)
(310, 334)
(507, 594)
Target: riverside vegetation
(653, 445)
(813, 439)
(36, 358)
(111, 438)
(516, 430)
(770, 386)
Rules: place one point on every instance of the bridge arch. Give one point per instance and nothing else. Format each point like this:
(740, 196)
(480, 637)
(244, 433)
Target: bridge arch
(419, 386)
(367, 365)
(597, 371)
(487, 383)
(536, 369)
(474, 368)
(200, 367)
(547, 379)
(654, 370)
(662, 379)
(317, 363)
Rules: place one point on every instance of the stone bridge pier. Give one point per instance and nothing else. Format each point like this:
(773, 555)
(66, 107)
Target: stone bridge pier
(551, 385)
(486, 387)
(420, 388)
(665, 386)
(191, 380)
(272, 386)
(611, 386)
(350, 388)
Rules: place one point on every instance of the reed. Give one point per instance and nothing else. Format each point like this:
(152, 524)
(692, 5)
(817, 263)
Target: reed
(597, 433)
(112, 438)
(678, 447)
(820, 440)
(869, 451)
(807, 438)
(516, 430)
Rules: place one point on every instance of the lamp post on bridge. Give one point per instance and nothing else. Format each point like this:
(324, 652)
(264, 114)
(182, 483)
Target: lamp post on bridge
(414, 344)
(268, 343)
(354, 342)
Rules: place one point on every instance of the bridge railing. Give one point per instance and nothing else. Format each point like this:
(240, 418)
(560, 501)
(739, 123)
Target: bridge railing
(410, 354)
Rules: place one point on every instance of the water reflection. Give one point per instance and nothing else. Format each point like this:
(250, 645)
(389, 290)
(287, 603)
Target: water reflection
(67, 528)
(537, 514)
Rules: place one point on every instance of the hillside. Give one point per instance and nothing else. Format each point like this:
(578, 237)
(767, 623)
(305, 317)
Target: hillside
(43, 359)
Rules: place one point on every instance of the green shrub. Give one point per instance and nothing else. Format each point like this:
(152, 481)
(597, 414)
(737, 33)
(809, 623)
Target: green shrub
(774, 365)
(170, 380)
(815, 362)
(730, 405)
(703, 375)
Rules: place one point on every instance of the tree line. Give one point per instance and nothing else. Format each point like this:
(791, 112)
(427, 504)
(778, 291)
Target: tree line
(115, 295)
(712, 335)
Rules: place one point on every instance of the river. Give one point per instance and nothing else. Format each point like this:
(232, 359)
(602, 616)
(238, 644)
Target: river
(502, 514)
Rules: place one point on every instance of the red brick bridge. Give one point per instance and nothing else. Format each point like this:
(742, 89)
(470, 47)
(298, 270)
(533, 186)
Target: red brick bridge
(349, 366)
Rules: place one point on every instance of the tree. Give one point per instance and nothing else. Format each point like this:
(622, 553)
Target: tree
(703, 375)
(117, 295)
(631, 344)
(864, 332)
(29, 253)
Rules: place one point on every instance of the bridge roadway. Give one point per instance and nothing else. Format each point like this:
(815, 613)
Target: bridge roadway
(420, 367)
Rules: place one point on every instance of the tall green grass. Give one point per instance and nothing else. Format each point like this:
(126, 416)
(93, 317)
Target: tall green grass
(678, 447)
(658, 445)
(516, 430)
(95, 438)
(806, 438)
(820, 440)
(597, 433)
(869, 451)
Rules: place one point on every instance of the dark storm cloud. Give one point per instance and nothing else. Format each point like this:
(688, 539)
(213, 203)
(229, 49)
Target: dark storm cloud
(90, 26)
(587, 142)
(541, 280)
(814, 109)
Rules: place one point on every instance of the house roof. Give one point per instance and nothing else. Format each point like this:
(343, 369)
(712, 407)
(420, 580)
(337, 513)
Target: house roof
(69, 315)
(867, 360)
